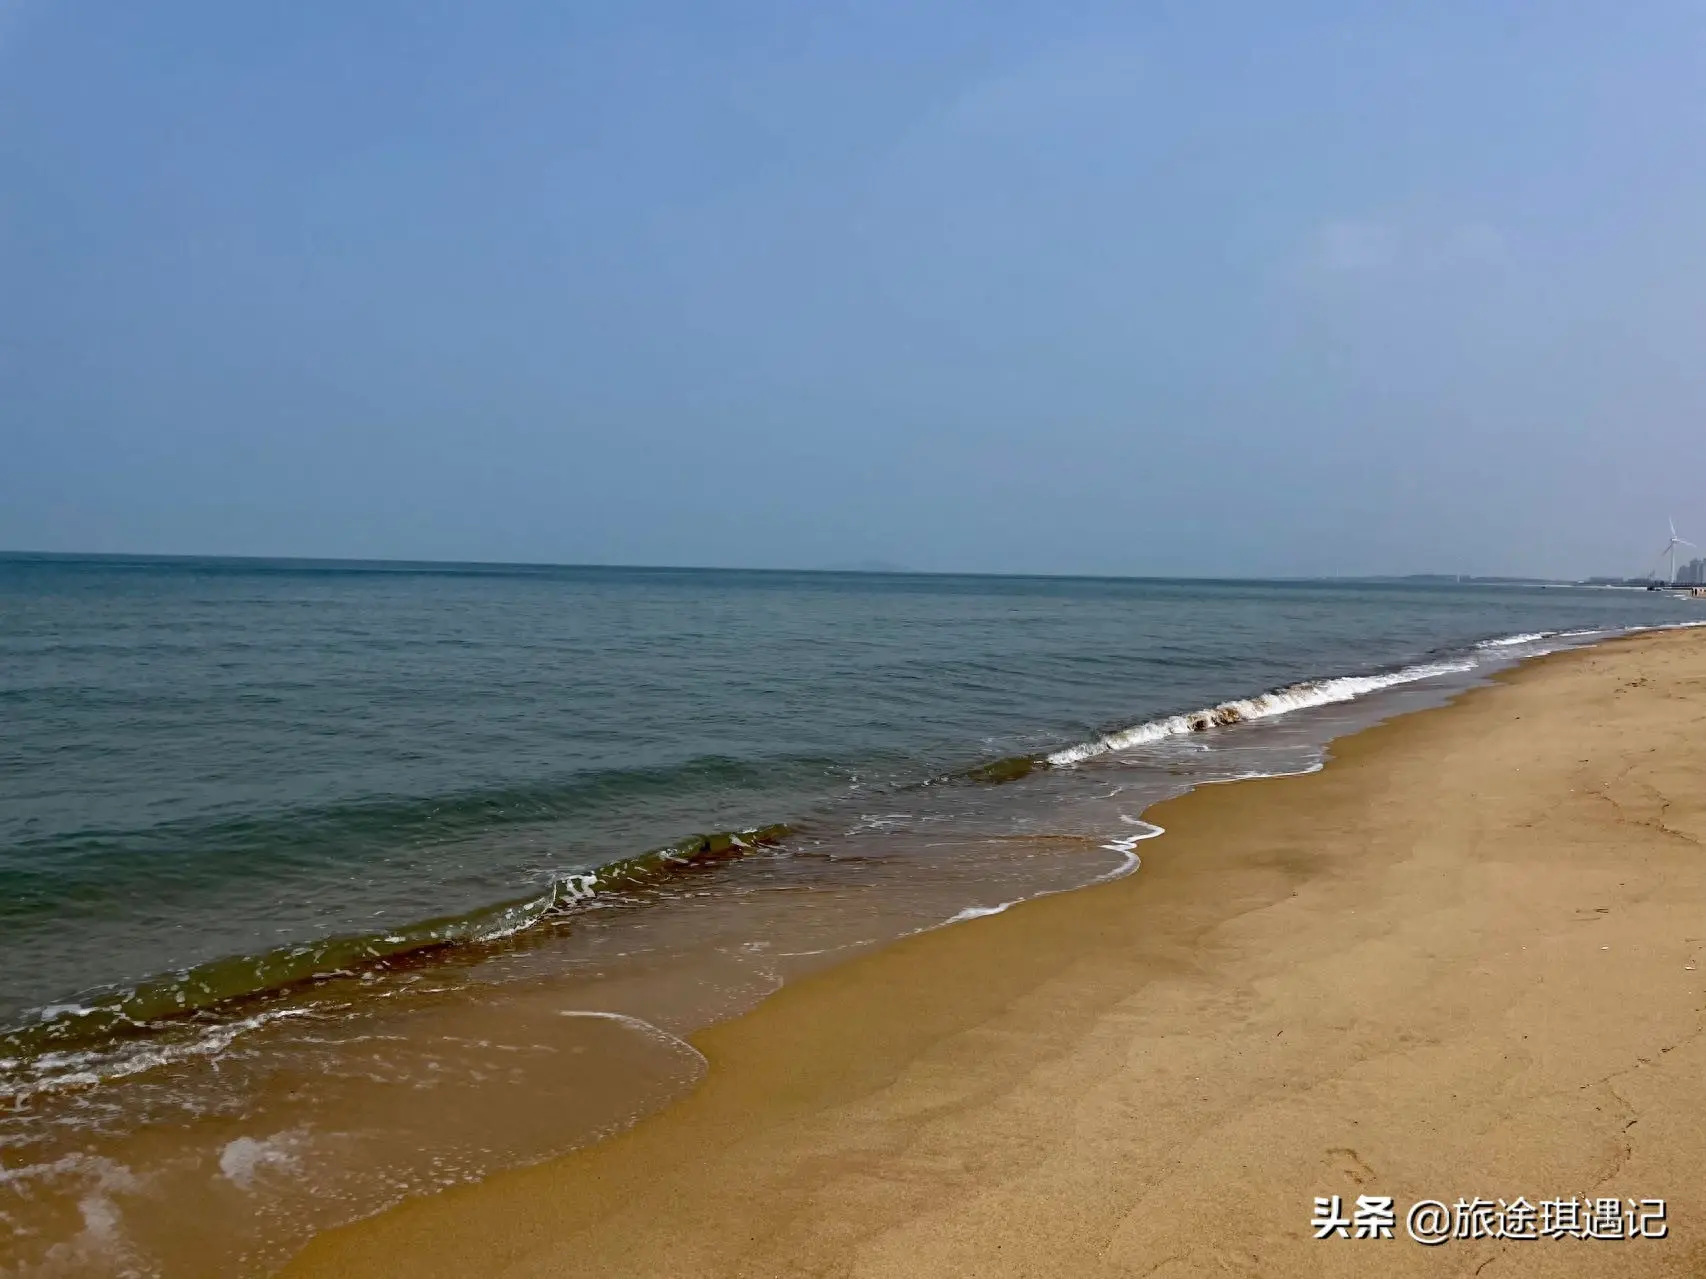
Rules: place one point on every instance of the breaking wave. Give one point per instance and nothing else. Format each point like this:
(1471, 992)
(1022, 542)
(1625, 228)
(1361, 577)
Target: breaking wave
(1510, 641)
(122, 1031)
(1293, 697)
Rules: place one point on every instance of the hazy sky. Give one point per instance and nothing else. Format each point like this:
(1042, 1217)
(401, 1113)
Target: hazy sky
(1163, 288)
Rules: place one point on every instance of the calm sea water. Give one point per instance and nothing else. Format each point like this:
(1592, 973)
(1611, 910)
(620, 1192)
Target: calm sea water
(223, 783)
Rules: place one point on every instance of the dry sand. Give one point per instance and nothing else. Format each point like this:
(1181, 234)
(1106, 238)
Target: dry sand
(1468, 958)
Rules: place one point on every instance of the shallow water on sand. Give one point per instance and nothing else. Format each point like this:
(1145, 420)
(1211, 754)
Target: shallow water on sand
(301, 899)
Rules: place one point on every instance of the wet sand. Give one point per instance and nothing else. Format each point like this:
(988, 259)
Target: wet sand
(1466, 959)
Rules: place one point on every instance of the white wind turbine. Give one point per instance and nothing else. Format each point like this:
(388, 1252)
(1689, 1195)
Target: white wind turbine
(1670, 550)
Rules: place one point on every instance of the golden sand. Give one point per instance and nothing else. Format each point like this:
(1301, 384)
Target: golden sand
(1466, 959)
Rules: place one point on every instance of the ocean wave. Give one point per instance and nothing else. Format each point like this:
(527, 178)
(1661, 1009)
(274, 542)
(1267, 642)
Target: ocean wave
(119, 1031)
(334, 833)
(1509, 641)
(1280, 701)
(109, 1034)
(25, 1077)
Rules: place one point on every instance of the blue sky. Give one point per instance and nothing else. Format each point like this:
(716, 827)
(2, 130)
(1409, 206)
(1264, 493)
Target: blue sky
(1193, 288)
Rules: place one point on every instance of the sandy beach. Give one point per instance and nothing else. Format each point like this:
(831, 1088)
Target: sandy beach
(1467, 959)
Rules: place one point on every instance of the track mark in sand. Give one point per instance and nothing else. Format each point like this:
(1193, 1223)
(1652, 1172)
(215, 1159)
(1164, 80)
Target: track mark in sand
(1347, 1161)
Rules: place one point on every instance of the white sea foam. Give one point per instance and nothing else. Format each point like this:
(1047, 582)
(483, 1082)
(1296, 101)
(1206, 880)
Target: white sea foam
(51, 1072)
(101, 1246)
(1662, 626)
(1125, 845)
(827, 950)
(878, 822)
(105, 1174)
(1261, 775)
(246, 1158)
(1324, 692)
(53, 1012)
(635, 1023)
(978, 912)
(1510, 641)
(566, 891)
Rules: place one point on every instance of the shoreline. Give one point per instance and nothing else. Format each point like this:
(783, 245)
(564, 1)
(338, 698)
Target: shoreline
(1113, 1080)
(84, 1020)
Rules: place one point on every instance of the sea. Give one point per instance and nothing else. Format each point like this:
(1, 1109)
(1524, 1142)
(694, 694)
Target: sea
(327, 884)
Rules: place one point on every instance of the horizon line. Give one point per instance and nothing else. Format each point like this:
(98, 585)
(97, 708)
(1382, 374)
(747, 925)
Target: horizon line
(885, 570)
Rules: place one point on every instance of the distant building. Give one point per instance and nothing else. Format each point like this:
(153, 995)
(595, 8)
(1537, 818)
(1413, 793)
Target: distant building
(1692, 573)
